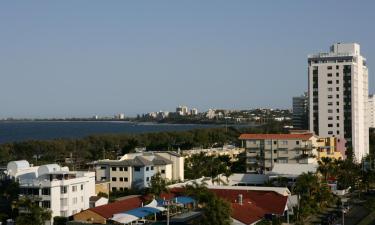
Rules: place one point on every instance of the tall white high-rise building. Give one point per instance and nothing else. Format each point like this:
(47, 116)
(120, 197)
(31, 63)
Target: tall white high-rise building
(338, 96)
(371, 110)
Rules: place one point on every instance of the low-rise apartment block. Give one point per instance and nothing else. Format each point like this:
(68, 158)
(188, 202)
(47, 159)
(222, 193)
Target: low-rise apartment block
(56, 188)
(264, 150)
(135, 170)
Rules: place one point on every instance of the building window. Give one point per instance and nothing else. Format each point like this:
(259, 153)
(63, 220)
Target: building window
(74, 188)
(329, 103)
(125, 168)
(330, 111)
(330, 118)
(147, 179)
(147, 168)
(64, 213)
(64, 202)
(103, 167)
(121, 179)
(81, 198)
(46, 191)
(63, 189)
(46, 204)
(152, 168)
(337, 89)
(337, 117)
(337, 74)
(337, 125)
(114, 179)
(125, 179)
(297, 142)
(137, 168)
(114, 189)
(338, 132)
(337, 103)
(330, 125)
(103, 178)
(329, 82)
(329, 75)
(329, 89)
(337, 96)
(330, 132)
(113, 168)
(329, 96)
(121, 168)
(163, 171)
(337, 67)
(337, 81)
(75, 200)
(337, 110)
(285, 142)
(329, 67)
(81, 187)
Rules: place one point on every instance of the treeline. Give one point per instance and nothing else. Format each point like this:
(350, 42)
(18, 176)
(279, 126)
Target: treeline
(83, 150)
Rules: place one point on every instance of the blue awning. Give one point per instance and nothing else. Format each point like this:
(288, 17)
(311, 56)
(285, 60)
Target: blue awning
(184, 200)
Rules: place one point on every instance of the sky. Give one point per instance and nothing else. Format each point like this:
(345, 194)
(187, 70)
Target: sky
(82, 58)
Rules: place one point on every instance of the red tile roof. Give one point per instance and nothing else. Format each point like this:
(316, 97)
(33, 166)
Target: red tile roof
(305, 136)
(255, 203)
(108, 210)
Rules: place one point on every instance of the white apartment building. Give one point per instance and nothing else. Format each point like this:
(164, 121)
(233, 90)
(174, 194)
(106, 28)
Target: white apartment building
(371, 110)
(338, 96)
(56, 188)
(135, 170)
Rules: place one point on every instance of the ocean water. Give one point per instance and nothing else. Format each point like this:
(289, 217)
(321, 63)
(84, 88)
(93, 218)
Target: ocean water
(33, 130)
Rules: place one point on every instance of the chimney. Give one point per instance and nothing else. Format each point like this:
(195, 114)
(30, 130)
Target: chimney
(240, 199)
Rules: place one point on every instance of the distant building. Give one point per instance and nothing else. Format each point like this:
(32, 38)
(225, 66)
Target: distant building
(371, 110)
(338, 96)
(210, 114)
(300, 112)
(134, 170)
(182, 110)
(120, 116)
(62, 191)
(194, 112)
(232, 153)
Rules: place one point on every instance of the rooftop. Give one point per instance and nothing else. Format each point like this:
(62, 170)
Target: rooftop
(304, 136)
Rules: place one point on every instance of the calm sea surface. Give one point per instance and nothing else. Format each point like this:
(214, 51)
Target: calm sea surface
(20, 131)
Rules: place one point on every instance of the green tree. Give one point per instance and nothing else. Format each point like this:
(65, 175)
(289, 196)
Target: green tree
(158, 185)
(30, 213)
(216, 211)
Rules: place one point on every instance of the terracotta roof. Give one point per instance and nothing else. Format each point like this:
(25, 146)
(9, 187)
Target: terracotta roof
(255, 204)
(305, 136)
(108, 210)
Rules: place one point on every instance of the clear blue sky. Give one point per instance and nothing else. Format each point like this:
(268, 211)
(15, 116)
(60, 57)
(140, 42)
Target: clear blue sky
(80, 58)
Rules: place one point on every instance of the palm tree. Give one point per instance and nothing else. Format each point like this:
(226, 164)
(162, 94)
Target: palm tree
(325, 167)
